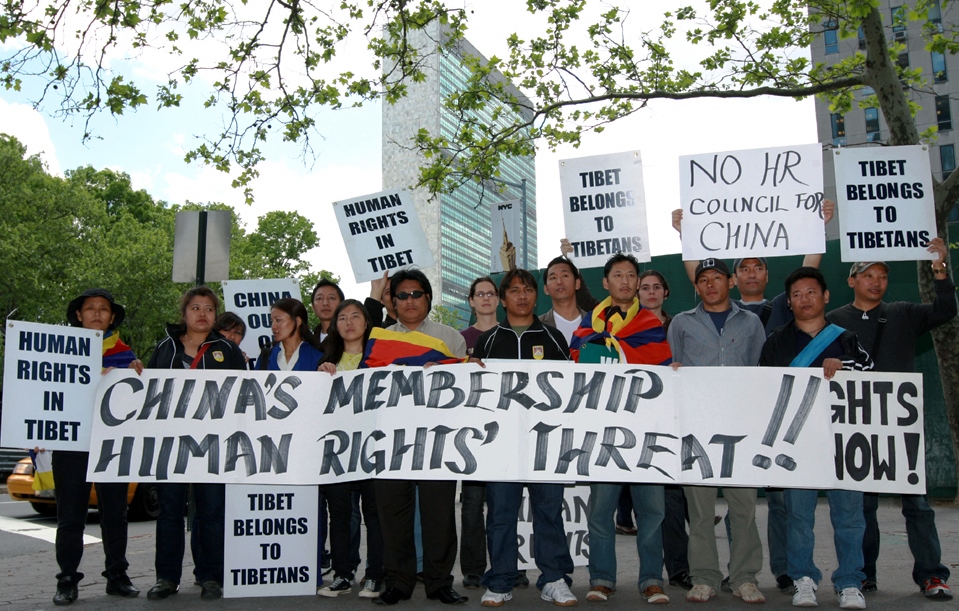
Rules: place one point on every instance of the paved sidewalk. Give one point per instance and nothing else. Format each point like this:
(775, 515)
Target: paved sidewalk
(28, 582)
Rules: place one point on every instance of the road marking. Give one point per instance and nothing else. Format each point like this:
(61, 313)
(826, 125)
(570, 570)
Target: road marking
(37, 531)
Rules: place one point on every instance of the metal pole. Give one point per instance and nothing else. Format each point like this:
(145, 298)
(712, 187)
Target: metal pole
(201, 249)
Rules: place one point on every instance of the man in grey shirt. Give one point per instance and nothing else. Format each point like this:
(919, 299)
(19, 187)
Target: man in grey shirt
(718, 333)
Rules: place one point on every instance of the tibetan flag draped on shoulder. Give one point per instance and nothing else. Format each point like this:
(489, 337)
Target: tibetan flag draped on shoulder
(638, 337)
(115, 352)
(395, 348)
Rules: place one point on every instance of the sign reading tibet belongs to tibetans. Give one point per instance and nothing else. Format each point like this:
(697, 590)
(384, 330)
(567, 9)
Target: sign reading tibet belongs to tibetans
(514, 421)
(50, 376)
(754, 203)
(382, 233)
(604, 207)
(886, 205)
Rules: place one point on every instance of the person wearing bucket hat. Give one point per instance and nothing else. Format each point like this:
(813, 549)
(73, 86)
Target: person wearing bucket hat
(94, 309)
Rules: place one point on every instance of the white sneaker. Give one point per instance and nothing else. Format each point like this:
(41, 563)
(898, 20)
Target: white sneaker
(851, 598)
(805, 592)
(495, 599)
(557, 592)
(340, 585)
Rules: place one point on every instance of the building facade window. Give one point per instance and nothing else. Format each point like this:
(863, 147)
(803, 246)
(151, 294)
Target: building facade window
(861, 36)
(943, 113)
(872, 125)
(899, 15)
(831, 37)
(935, 12)
(947, 158)
(903, 61)
(838, 129)
(939, 73)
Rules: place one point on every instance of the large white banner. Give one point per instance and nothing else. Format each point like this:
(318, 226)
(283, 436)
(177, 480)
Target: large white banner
(382, 233)
(270, 540)
(887, 211)
(50, 376)
(514, 421)
(755, 203)
(507, 235)
(604, 207)
(251, 300)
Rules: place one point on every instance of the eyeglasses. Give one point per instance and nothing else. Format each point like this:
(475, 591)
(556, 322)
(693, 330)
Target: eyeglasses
(484, 294)
(403, 295)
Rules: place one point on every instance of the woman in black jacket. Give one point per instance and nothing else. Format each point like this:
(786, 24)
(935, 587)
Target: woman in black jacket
(192, 344)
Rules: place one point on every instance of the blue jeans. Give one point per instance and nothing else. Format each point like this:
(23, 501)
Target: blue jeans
(776, 531)
(649, 502)
(848, 524)
(921, 533)
(208, 556)
(550, 548)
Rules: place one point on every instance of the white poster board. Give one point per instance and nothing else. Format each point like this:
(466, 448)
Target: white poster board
(575, 517)
(50, 376)
(251, 300)
(887, 211)
(507, 237)
(604, 207)
(521, 421)
(382, 233)
(270, 539)
(755, 203)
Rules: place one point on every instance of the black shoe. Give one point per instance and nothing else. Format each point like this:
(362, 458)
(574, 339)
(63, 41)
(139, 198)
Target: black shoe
(785, 584)
(211, 591)
(521, 581)
(471, 581)
(391, 596)
(870, 585)
(66, 591)
(162, 589)
(122, 586)
(684, 581)
(447, 596)
(724, 586)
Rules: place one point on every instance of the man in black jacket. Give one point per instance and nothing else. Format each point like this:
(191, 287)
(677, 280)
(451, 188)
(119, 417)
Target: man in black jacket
(890, 331)
(523, 337)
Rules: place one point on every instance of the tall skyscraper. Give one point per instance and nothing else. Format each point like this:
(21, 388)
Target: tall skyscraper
(457, 224)
(861, 126)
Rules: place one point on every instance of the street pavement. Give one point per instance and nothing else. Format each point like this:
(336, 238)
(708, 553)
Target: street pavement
(27, 578)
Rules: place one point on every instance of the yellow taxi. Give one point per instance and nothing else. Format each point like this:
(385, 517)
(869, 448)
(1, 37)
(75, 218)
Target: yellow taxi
(141, 498)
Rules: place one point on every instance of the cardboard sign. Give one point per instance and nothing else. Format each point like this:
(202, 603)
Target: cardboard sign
(604, 207)
(269, 542)
(382, 233)
(522, 421)
(50, 376)
(756, 203)
(251, 300)
(575, 517)
(887, 210)
(507, 235)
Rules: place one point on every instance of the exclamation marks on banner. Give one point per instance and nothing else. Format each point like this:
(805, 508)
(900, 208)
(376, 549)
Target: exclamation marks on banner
(912, 455)
(795, 427)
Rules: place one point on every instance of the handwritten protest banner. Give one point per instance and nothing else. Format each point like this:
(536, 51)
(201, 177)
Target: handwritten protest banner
(604, 207)
(50, 376)
(759, 203)
(886, 205)
(382, 233)
(517, 421)
(251, 300)
(270, 540)
(506, 223)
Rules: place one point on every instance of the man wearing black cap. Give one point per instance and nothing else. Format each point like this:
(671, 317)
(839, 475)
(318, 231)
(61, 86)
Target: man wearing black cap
(94, 309)
(718, 333)
(889, 332)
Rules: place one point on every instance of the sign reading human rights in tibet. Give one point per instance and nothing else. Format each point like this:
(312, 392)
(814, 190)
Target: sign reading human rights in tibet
(382, 233)
(514, 421)
(886, 206)
(756, 203)
(50, 376)
(604, 207)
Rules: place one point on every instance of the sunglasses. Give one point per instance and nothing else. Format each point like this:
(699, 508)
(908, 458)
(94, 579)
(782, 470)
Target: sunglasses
(403, 295)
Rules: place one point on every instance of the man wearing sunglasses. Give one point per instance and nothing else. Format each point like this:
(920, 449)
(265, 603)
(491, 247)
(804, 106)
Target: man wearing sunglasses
(395, 499)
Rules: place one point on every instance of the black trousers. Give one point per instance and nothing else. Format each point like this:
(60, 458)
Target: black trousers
(473, 529)
(675, 539)
(340, 500)
(395, 500)
(73, 500)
